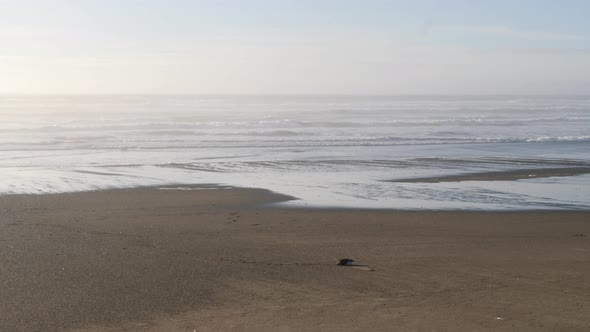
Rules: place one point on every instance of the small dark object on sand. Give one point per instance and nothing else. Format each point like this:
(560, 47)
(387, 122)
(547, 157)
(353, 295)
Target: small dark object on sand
(578, 235)
(345, 262)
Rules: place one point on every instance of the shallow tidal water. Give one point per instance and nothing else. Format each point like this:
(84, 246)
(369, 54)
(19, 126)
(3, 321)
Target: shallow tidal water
(325, 151)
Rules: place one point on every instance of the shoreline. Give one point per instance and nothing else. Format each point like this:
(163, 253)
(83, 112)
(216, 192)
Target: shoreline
(280, 198)
(178, 260)
(511, 175)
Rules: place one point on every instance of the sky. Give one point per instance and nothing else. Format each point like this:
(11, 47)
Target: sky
(363, 47)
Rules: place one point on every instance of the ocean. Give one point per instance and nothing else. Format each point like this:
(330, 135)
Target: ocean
(327, 151)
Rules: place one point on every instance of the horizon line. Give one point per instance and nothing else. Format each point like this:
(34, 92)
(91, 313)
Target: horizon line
(143, 94)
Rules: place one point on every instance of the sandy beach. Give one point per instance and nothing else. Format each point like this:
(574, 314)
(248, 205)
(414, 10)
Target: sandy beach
(223, 259)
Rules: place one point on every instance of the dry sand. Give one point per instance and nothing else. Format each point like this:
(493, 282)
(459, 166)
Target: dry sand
(209, 260)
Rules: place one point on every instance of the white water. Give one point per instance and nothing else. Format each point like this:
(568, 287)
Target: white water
(331, 151)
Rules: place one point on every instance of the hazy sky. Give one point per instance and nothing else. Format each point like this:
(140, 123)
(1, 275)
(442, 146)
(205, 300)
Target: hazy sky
(295, 47)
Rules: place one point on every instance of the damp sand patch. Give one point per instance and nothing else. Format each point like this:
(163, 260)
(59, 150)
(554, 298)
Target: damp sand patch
(513, 175)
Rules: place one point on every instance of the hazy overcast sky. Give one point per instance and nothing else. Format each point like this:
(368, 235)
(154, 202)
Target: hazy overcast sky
(295, 47)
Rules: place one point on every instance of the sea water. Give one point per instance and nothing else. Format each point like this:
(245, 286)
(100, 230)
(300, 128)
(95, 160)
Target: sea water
(324, 150)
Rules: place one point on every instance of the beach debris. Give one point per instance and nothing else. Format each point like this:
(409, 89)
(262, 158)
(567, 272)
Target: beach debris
(499, 318)
(350, 262)
(578, 235)
(345, 262)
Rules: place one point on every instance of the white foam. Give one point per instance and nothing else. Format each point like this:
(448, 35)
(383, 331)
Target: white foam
(325, 151)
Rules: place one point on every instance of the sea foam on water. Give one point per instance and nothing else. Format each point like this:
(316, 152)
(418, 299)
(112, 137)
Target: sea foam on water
(328, 151)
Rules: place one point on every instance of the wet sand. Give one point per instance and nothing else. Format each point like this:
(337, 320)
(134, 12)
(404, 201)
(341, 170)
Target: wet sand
(520, 174)
(210, 260)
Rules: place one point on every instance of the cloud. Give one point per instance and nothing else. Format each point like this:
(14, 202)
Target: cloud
(502, 30)
(550, 51)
